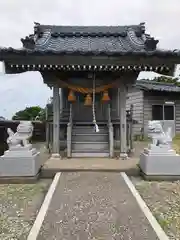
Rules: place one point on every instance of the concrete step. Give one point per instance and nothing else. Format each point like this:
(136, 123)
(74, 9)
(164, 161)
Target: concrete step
(91, 153)
(90, 137)
(86, 146)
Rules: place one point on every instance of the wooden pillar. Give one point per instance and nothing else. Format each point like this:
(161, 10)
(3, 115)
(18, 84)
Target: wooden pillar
(47, 129)
(61, 94)
(122, 112)
(56, 121)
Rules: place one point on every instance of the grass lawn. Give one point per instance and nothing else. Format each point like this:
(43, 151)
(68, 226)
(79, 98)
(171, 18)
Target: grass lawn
(176, 143)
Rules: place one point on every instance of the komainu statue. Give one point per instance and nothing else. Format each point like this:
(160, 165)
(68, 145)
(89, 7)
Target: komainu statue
(159, 160)
(159, 137)
(21, 137)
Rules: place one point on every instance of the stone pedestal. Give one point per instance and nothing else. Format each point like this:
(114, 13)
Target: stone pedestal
(20, 161)
(160, 161)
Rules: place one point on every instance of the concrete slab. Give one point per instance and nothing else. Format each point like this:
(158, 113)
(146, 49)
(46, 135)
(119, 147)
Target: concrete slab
(52, 166)
(94, 206)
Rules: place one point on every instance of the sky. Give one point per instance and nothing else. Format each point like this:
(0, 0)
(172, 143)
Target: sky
(19, 92)
(17, 19)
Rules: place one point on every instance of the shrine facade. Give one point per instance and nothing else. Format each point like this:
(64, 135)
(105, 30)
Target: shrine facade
(90, 69)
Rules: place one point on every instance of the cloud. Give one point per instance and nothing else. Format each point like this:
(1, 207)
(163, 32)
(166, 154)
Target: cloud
(18, 91)
(17, 17)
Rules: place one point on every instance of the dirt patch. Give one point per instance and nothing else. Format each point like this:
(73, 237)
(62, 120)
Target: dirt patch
(163, 199)
(19, 205)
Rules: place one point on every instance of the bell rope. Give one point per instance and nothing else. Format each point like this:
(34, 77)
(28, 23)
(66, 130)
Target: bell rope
(93, 106)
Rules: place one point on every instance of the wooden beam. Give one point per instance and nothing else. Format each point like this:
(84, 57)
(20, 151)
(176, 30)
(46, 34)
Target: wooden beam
(80, 60)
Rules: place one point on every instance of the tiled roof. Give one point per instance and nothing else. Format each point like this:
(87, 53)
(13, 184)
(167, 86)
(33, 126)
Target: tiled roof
(93, 39)
(150, 85)
(96, 40)
(90, 40)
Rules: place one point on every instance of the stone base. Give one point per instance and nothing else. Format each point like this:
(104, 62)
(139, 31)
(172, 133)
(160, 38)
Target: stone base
(19, 164)
(160, 165)
(159, 177)
(20, 180)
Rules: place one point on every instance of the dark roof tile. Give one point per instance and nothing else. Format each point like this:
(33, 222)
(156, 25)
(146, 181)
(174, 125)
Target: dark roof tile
(91, 39)
(150, 85)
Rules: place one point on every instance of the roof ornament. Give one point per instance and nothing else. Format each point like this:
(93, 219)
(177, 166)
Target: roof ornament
(150, 44)
(37, 29)
(28, 42)
(36, 25)
(142, 26)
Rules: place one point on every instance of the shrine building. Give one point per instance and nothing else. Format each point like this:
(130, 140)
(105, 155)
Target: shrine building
(90, 69)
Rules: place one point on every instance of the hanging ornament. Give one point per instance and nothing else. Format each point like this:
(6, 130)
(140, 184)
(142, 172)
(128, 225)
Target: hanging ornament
(88, 100)
(71, 96)
(105, 97)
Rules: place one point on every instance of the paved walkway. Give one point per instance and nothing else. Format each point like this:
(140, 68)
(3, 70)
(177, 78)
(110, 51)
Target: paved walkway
(96, 206)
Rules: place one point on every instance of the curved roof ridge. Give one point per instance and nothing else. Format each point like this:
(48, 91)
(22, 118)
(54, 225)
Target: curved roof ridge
(89, 27)
(92, 31)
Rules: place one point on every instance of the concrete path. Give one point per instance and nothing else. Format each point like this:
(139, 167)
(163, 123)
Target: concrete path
(96, 206)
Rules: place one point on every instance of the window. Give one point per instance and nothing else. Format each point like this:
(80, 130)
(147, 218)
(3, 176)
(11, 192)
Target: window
(157, 112)
(162, 112)
(168, 112)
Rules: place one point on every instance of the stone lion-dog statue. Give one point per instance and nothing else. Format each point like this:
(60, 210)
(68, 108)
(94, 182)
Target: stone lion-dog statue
(158, 135)
(22, 135)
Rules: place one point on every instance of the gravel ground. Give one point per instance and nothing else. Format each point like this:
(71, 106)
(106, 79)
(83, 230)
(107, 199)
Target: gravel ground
(163, 199)
(19, 205)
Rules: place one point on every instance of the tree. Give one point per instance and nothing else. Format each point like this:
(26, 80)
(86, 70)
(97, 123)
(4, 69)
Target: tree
(30, 114)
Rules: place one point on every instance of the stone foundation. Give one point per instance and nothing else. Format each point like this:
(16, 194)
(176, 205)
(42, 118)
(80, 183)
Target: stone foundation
(160, 165)
(19, 162)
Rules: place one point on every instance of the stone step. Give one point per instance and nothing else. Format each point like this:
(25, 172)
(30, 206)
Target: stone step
(64, 115)
(90, 137)
(90, 153)
(86, 146)
(87, 130)
(87, 126)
